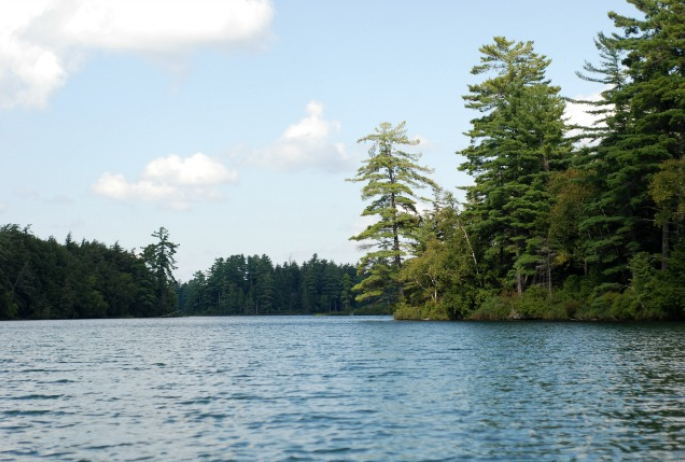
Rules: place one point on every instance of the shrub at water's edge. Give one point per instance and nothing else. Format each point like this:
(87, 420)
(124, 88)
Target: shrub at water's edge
(652, 295)
(426, 312)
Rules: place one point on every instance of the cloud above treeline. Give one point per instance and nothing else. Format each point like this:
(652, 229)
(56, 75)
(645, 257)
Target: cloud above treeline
(306, 144)
(173, 182)
(176, 182)
(580, 113)
(43, 41)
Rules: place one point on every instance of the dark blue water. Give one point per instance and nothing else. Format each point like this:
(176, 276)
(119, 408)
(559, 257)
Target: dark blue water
(353, 388)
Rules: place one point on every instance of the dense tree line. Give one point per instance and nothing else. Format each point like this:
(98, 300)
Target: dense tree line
(45, 279)
(556, 226)
(253, 285)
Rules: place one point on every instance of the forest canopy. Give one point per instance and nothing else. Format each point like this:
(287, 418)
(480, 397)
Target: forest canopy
(45, 279)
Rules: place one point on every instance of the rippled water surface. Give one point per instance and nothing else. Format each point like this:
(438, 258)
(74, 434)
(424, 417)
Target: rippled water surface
(353, 388)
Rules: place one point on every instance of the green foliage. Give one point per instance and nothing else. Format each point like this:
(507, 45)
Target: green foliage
(252, 285)
(570, 192)
(515, 146)
(444, 271)
(643, 115)
(159, 257)
(568, 232)
(667, 189)
(391, 177)
(46, 280)
(494, 308)
(433, 312)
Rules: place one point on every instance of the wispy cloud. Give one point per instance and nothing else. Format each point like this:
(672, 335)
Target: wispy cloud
(172, 181)
(307, 144)
(35, 195)
(424, 145)
(43, 41)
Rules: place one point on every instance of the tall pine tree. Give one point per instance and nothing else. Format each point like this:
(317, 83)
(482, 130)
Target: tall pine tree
(643, 115)
(391, 177)
(515, 145)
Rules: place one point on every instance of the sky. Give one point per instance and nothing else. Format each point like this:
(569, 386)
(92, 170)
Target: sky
(234, 123)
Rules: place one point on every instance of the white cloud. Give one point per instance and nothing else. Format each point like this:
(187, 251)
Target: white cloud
(359, 225)
(196, 170)
(424, 145)
(306, 144)
(3, 207)
(42, 41)
(578, 113)
(172, 181)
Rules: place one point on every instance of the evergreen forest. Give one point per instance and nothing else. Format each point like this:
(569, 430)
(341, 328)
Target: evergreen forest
(560, 222)
(253, 285)
(45, 279)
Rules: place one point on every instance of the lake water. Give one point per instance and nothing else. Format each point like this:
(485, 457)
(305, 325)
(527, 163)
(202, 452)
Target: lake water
(334, 388)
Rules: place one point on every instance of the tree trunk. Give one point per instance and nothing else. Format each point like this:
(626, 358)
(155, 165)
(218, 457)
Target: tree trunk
(549, 273)
(665, 237)
(473, 253)
(396, 238)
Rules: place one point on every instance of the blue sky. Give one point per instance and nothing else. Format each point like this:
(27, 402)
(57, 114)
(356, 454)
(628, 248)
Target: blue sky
(234, 123)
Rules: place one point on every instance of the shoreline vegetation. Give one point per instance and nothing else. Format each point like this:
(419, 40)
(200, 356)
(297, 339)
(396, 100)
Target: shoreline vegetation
(561, 222)
(46, 279)
(91, 280)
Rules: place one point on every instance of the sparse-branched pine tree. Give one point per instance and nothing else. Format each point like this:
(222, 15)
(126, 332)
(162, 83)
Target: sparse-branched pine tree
(160, 259)
(391, 177)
